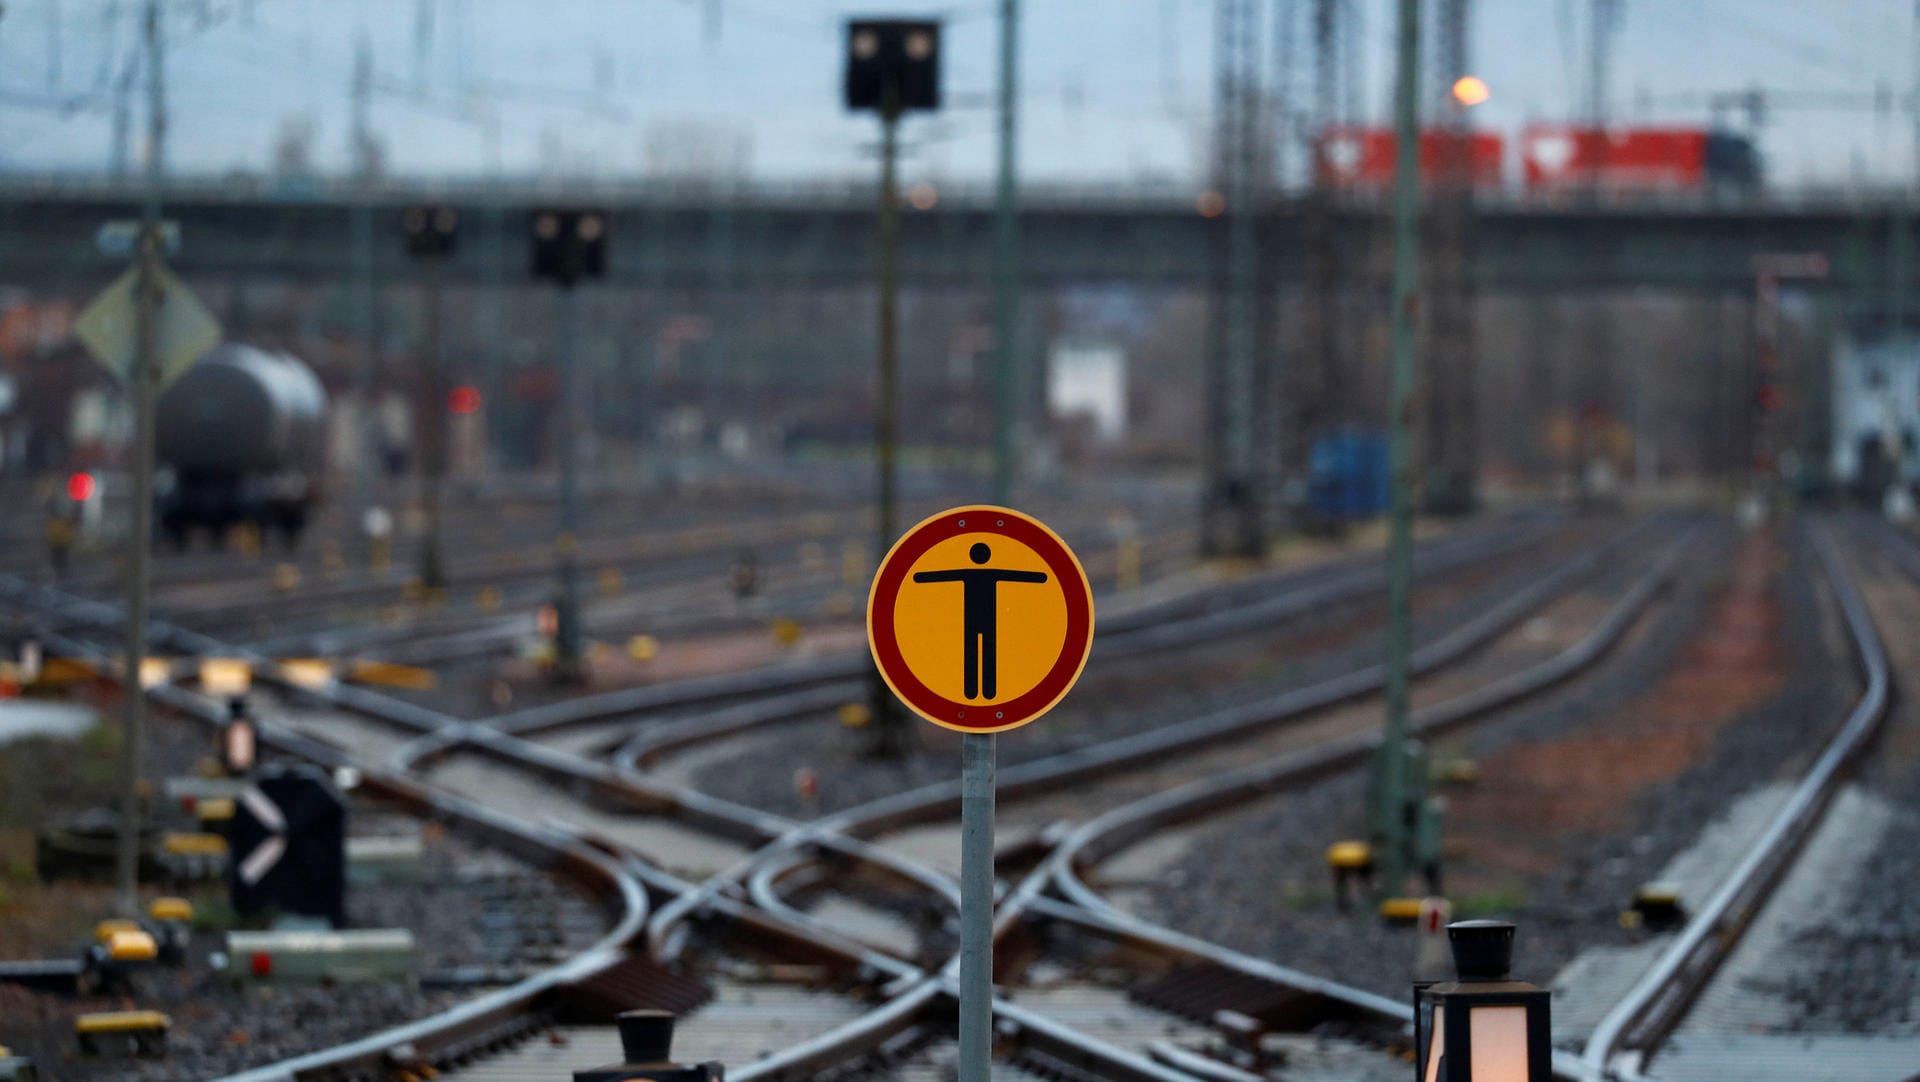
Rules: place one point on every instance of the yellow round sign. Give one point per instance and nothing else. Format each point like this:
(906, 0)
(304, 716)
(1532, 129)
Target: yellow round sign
(980, 619)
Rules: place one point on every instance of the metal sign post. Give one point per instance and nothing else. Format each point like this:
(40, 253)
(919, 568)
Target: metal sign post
(1390, 821)
(977, 750)
(1012, 599)
(976, 905)
(141, 384)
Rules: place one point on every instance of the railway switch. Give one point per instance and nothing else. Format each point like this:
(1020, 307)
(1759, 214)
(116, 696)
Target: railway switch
(646, 1043)
(358, 955)
(1400, 910)
(140, 1033)
(16, 1068)
(171, 911)
(1657, 907)
(113, 926)
(1351, 863)
(172, 928)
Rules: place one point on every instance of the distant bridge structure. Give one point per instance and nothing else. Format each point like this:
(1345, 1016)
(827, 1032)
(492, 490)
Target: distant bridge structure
(821, 236)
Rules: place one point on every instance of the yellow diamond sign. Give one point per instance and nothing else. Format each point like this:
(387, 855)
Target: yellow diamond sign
(185, 331)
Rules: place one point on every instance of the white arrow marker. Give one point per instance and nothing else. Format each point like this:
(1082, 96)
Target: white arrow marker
(268, 852)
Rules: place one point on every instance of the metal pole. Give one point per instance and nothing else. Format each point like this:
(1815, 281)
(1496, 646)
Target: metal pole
(889, 322)
(1241, 260)
(976, 905)
(1390, 820)
(1006, 255)
(141, 383)
(885, 718)
(977, 749)
(360, 235)
(366, 463)
(567, 648)
(433, 420)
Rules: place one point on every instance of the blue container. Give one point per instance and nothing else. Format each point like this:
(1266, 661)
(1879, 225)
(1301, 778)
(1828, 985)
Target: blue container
(1347, 476)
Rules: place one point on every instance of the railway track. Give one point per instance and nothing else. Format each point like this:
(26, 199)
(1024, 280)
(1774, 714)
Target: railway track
(1216, 613)
(1050, 1040)
(1625, 1045)
(1288, 995)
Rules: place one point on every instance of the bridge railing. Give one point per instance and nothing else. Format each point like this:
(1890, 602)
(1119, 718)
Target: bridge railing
(1144, 196)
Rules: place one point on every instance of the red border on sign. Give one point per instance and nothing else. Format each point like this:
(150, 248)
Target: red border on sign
(979, 717)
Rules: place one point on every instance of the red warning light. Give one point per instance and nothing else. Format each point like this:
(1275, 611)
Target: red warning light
(1770, 397)
(80, 487)
(463, 400)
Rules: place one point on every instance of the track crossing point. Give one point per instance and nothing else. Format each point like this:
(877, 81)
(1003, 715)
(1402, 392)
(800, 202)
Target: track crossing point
(980, 619)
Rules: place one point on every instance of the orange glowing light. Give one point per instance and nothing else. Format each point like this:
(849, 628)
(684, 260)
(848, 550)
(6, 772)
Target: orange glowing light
(1470, 90)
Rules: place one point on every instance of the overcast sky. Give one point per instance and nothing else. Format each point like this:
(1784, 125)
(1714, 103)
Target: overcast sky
(1114, 90)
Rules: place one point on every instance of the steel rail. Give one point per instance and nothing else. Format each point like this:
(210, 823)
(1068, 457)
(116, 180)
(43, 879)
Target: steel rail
(1355, 579)
(765, 868)
(936, 800)
(1128, 824)
(380, 707)
(618, 890)
(1626, 1039)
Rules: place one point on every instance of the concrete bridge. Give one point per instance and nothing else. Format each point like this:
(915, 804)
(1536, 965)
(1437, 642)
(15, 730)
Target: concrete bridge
(822, 236)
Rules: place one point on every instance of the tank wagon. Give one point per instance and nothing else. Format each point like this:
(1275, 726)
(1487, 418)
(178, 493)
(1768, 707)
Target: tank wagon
(241, 437)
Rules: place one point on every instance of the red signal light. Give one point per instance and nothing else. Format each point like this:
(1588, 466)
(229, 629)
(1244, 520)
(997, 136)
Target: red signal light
(463, 400)
(81, 487)
(1769, 397)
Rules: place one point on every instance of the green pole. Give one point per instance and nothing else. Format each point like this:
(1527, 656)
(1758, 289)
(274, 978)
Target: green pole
(143, 383)
(887, 722)
(1390, 826)
(1899, 234)
(1006, 254)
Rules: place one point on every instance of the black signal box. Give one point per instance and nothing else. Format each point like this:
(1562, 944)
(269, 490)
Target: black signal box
(431, 231)
(893, 63)
(569, 245)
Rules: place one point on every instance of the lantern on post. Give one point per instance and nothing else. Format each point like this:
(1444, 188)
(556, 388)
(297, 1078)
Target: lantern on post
(1483, 1026)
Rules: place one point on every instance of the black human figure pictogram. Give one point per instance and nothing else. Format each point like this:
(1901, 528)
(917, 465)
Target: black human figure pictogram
(980, 624)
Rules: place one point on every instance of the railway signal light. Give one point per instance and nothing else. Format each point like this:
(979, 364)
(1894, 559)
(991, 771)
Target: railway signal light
(1483, 1026)
(81, 487)
(463, 400)
(893, 64)
(569, 245)
(240, 742)
(431, 231)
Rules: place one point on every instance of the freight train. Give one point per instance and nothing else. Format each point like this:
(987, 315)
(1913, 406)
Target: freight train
(240, 439)
(1552, 159)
